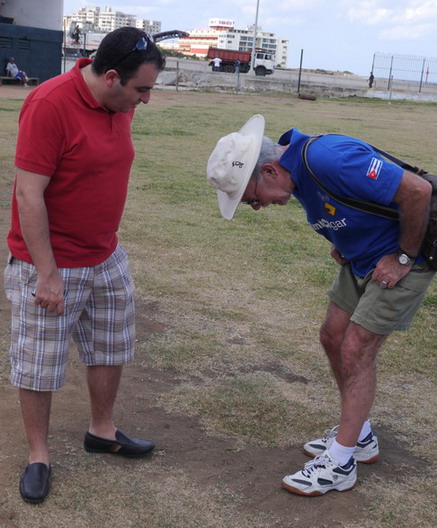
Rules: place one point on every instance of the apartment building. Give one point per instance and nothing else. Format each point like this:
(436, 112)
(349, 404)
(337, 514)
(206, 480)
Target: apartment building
(149, 26)
(222, 33)
(106, 20)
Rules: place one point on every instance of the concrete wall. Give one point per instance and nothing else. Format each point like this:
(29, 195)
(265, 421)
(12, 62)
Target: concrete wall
(191, 74)
(42, 14)
(36, 51)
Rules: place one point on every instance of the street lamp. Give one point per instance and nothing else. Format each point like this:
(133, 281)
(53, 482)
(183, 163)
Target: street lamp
(254, 36)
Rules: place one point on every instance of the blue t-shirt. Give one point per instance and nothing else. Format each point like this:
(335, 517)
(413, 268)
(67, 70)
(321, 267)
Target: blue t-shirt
(350, 168)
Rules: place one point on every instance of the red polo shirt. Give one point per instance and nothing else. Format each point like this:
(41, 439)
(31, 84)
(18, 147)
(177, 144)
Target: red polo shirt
(87, 153)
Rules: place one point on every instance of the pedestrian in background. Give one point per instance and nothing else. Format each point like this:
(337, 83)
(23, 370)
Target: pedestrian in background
(216, 64)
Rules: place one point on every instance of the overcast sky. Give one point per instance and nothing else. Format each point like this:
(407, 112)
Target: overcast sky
(334, 34)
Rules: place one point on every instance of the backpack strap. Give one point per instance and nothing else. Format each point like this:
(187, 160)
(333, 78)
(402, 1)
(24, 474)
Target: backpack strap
(360, 205)
(403, 164)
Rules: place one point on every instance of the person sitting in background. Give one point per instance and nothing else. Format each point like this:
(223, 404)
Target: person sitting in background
(13, 71)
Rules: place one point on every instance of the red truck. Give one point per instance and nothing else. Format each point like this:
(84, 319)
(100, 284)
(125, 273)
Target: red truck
(264, 64)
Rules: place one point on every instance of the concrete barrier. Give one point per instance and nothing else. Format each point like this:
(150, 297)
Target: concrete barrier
(191, 74)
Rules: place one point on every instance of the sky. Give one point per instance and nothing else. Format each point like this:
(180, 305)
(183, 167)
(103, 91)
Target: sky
(339, 35)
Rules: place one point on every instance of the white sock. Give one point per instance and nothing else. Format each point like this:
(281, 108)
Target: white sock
(366, 429)
(340, 453)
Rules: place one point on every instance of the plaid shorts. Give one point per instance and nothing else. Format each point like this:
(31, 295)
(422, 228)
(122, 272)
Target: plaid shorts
(98, 314)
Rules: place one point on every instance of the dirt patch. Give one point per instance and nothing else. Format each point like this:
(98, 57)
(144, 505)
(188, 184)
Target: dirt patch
(15, 92)
(253, 473)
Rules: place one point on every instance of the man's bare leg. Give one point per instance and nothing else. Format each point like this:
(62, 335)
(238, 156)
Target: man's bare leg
(351, 350)
(35, 408)
(332, 334)
(358, 353)
(103, 383)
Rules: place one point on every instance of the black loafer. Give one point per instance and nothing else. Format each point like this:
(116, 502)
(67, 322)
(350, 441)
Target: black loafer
(123, 445)
(34, 483)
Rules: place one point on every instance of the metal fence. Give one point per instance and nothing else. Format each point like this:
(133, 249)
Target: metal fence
(405, 73)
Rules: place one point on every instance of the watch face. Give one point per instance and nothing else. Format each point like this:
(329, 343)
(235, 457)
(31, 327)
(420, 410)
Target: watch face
(403, 259)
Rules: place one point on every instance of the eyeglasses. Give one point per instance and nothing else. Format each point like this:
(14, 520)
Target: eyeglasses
(254, 201)
(141, 45)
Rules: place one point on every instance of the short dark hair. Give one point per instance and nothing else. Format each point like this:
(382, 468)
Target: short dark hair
(118, 51)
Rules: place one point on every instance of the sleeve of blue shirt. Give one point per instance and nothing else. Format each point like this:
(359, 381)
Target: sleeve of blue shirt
(351, 168)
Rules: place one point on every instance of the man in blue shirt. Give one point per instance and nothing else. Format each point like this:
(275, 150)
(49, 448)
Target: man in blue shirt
(382, 279)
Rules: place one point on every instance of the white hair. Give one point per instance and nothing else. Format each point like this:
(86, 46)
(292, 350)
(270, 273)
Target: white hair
(270, 151)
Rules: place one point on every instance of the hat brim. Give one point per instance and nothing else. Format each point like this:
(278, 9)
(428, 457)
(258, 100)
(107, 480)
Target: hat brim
(253, 128)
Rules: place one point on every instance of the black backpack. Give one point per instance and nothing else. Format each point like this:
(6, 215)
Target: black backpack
(429, 244)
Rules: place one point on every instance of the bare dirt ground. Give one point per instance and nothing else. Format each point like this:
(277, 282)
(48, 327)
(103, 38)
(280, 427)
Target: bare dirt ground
(254, 473)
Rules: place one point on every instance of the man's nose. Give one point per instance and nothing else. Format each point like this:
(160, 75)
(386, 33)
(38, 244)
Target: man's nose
(145, 98)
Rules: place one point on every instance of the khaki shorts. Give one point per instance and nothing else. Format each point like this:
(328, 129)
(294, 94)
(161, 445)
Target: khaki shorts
(98, 314)
(379, 310)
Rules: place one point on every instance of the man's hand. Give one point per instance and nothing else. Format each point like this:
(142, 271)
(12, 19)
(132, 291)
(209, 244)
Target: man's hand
(389, 271)
(49, 290)
(49, 293)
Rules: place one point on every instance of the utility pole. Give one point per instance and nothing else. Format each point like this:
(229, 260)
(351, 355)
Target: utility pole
(254, 37)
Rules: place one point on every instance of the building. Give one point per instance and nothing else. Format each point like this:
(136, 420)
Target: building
(86, 18)
(282, 52)
(86, 28)
(221, 33)
(95, 18)
(148, 26)
(106, 20)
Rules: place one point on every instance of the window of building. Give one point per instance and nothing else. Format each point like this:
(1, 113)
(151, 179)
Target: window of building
(5, 42)
(24, 44)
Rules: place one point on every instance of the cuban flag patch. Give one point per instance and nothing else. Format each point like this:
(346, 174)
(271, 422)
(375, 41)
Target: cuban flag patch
(374, 168)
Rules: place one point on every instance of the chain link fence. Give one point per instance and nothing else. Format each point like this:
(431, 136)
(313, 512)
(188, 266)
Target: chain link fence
(404, 73)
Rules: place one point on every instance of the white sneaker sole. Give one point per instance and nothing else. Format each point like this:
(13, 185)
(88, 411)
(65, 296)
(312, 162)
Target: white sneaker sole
(344, 486)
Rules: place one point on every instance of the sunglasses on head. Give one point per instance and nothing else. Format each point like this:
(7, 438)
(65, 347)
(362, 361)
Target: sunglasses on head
(250, 202)
(141, 45)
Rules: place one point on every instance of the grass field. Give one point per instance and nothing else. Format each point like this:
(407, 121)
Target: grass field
(228, 318)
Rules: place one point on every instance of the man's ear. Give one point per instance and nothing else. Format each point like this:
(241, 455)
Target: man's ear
(111, 76)
(269, 171)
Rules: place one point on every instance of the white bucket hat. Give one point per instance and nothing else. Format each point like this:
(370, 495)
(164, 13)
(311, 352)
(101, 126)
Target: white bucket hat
(232, 162)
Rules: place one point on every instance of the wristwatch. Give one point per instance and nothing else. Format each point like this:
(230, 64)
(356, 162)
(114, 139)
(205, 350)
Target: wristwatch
(405, 259)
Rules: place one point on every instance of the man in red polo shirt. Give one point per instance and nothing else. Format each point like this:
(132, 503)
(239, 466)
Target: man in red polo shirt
(67, 275)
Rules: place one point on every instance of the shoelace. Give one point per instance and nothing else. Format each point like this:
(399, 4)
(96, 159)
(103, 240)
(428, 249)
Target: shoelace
(330, 433)
(312, 465)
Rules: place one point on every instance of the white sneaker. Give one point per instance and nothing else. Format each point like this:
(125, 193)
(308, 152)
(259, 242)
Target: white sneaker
(321, 475)
(366, 451)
